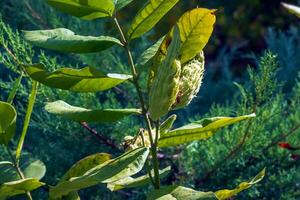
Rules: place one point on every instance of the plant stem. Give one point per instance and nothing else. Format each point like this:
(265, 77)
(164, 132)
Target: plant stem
(155, 158)
(142, 102)
(18, 170)
(31, 102)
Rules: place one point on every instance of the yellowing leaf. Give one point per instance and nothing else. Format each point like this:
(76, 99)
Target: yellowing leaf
(225, 194)
(195, 28)
(124, 166)
(148, 16)
(87, 79)
(81, 167)
(179, 193)
(13, 188)
(85, 9)
(198, 130)
(85, 164)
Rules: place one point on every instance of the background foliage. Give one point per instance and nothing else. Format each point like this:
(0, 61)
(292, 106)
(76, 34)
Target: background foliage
(271, 87)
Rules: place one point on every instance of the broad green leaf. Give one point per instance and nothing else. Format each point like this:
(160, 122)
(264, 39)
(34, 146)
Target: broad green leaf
(81, 167)
(226, 194)
(149, 53)
(8, 117)
(195, 28)
(148, 16)
(198, 130)
(64, 40)
(167, 124)
(122, 3)
(85, 164)
(292, 9)
(13, 188)
(124, 166)
(78, 114)
(85, 9)
(36, 169)
(179, 193)
(130, 182)
(87, 79)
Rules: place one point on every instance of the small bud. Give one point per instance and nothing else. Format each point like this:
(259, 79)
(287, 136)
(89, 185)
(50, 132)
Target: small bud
(190, 81)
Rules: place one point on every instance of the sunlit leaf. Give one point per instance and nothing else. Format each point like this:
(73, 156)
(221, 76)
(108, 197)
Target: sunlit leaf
(85, 9)
(149, 15)
(85, 164)
(8, 117)
(130, 182)
(292, 9)
(225, 194)
(179, 193)
(167, 124)
(87, 79)
(195, 28)
(13, 188)
(64, 40)
(81, 167)
(79, 114)
(124, 166)
(198, 130)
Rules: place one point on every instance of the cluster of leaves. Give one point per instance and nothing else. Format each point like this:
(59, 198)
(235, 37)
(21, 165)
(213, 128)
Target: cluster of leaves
(96, 169)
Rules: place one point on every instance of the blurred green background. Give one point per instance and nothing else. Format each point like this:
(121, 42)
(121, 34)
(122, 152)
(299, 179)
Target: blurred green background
(252, 65)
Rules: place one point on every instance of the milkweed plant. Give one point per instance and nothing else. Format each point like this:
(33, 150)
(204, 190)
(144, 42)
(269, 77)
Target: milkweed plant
(176, 66)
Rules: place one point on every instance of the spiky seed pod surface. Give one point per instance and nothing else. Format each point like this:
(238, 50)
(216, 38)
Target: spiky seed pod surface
(190, 81)
(164, 90)
(130, 142)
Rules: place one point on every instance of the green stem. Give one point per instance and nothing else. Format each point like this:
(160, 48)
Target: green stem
(31, 102)
(142, 102)
(18, 170)
(154, 156)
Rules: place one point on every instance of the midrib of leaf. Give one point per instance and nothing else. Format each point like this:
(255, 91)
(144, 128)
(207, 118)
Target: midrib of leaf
(173, 133)
(190, 32)
(144, 19)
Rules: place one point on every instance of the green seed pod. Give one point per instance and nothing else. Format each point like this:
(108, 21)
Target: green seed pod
(190, 81)
(164, 89)
(157, 60)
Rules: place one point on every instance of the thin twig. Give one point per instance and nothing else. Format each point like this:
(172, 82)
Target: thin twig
(100, 137)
